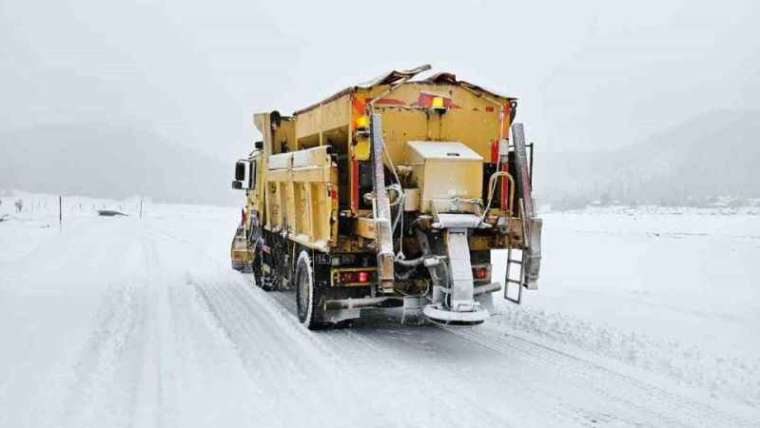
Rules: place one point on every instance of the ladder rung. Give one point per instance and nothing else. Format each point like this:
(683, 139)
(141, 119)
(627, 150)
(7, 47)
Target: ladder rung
(515, 281)
(517, 262)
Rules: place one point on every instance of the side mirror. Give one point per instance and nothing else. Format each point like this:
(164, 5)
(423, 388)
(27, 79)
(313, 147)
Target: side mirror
(240, 171)
(237, 185)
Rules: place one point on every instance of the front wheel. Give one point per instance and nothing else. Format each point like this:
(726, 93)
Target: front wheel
(262, 280)
(308, 296)
(267, 273)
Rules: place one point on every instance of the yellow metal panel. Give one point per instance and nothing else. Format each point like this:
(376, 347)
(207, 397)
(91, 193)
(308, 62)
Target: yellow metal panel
(365, 227)
(301, 198)
(473, 120)
(308, 174)
(361, 149)
(333, 190)
(284, 136)
(476, 129)
(329, 115)
(289, 206)
(311, 157)
(301, 209)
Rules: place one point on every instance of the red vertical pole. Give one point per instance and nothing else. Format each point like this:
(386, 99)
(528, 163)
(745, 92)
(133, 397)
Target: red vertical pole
(354, 185)
(504, 155)
(505, 184)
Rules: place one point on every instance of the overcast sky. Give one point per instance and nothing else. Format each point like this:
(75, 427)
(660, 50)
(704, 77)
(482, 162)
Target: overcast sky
(588, 74)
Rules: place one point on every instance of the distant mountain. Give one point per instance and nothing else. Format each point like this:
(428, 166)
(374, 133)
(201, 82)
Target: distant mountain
(712, 155)
(110, 161)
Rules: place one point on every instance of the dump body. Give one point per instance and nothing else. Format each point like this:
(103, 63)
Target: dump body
(383, 173)
(298, 189)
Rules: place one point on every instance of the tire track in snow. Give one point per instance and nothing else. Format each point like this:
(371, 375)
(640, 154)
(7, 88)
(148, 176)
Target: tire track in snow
(461, 377)
(304, 385)
(211, 380)
(115, 336)
(455, 407)
(121, 362)
(654, 404)
(608, 397)
(205, 365)
(417, 361)
(153, 392)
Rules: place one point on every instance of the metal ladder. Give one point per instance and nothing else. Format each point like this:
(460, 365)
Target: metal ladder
(524, 181)
(508, 280)
(522, 282)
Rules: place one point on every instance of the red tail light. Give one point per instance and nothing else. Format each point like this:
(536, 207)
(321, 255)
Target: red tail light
(354, 277)
(480, 272)
(347, 277)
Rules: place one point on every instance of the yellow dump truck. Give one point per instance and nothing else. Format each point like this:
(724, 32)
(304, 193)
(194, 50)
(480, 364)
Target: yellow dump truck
(391, 194)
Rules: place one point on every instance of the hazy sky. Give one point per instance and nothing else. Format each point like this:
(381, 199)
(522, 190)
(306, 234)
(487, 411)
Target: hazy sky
(588, 74)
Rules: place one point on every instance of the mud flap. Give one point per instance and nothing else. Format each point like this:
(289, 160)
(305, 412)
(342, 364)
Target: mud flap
(532, 256)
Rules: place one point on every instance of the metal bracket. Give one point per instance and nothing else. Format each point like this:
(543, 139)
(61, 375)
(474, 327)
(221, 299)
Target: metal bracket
(381, 208)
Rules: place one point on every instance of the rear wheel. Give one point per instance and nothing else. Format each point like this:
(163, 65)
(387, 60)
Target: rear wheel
(308, 296)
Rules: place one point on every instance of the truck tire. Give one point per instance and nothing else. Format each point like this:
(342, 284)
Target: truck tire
(262, 280)
(308, 296)
(271, 279)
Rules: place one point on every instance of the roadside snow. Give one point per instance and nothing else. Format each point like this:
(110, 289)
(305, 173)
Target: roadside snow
(671, 290)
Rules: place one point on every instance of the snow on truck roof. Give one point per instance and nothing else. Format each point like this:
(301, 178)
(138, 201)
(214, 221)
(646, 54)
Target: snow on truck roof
(398, 76)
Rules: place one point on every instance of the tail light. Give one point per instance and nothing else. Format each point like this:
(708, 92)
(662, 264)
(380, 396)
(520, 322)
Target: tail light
(352, 277)
(347, 277)
(481, 273)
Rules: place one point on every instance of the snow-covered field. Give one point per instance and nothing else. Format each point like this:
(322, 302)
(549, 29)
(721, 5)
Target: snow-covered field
(643, 318)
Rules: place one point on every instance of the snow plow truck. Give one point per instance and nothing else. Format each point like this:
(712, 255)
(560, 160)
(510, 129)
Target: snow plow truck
(387, 194)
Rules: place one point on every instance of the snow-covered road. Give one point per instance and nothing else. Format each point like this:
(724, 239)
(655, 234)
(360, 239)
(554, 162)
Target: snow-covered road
(121, 322)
